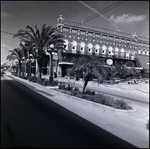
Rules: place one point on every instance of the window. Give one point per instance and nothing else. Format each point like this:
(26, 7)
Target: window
(139, 52)
(82, 45)
(74, 44)
(104, 37)
(90, 34)
(74, 31)
(97, 46)
(122, 49)
(66, 44)
(110, 50)
(97, 35)
(143, 52)
(104, 49)
(147, 52)
(65, 29)
(116, 49)
(90, 47)
(82, 32)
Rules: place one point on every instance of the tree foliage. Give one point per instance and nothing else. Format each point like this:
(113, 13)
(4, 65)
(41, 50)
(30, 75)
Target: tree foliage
(39, 41)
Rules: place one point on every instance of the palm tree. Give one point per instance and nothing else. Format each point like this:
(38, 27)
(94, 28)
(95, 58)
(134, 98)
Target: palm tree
(16, 53)
(91, 65)
(25, 51)
(40, 40)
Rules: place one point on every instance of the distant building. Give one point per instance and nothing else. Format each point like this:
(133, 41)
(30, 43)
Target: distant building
(106, 44)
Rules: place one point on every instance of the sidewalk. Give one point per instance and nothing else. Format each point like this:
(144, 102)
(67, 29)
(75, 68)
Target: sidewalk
(129, 125)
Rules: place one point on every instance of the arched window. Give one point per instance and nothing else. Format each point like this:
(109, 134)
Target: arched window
(116, 51)
(74, 46)
(66, 44)
(127, 54)
(82, 47)
(97, 49)
(110, 49)
(139, 51)
(147, 53)
(90, 48)
(133, 55)
(122, 52)
(104, 49)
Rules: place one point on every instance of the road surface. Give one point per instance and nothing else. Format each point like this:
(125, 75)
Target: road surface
(34, 121)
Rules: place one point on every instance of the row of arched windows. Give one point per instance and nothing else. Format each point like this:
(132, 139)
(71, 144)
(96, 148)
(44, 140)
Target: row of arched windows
(111, 50)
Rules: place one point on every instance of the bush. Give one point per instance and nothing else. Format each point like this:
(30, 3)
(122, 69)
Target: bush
(68, 87)
(61, 85)
(89, 92)
(98, 98)
(54, 83)
(33, 79)
(75, 88)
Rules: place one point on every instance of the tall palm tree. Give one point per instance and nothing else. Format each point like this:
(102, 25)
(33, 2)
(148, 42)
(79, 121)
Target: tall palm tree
(39, 40)
(25, 51)
(91, 65)
(16, 53)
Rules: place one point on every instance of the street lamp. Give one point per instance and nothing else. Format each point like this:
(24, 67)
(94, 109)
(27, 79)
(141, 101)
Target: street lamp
(30, 59)
(49, 50)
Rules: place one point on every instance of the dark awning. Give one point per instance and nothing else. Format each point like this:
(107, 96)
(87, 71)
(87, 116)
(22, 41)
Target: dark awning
(143, 61)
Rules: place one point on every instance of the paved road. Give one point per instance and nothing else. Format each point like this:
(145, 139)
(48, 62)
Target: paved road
(35, 121)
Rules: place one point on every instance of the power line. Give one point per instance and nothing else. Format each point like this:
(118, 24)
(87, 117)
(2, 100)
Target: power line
(93, 9)
(104, 11)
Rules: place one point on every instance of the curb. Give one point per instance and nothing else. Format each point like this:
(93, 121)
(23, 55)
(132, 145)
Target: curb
(66, 95)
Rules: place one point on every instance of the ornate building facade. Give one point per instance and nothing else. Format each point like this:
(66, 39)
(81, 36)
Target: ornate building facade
(106, 44)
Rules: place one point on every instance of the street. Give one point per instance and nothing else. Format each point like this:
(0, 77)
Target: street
(35, 121)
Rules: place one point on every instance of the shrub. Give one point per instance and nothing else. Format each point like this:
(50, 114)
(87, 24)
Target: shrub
(68, 87)
(54, 83)
(75, 88)
(121, 104)
(98, 98)
(89, 92)
(61, 85)
(33, 78)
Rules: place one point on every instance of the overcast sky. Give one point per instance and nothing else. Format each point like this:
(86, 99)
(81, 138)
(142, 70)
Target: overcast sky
(128, 17)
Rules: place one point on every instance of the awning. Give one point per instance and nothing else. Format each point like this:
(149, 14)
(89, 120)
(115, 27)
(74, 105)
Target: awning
(138, 68)
(143, 61)
(65, 63)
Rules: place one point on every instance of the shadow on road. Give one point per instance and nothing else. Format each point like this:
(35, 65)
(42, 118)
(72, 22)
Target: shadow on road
(37, 122)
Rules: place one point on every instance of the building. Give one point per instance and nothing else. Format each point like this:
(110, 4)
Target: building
(106, 44)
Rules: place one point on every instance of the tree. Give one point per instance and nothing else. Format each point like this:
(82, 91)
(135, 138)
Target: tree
(16, 53)
(40, 41)
(91, 65)
(25, 51)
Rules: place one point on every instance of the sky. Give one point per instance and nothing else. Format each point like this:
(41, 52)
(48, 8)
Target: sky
(128, 17)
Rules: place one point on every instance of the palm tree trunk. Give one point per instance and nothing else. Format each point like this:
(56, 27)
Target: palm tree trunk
(39, 72)
(25, 71)
(19, 69)
(85, 84)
